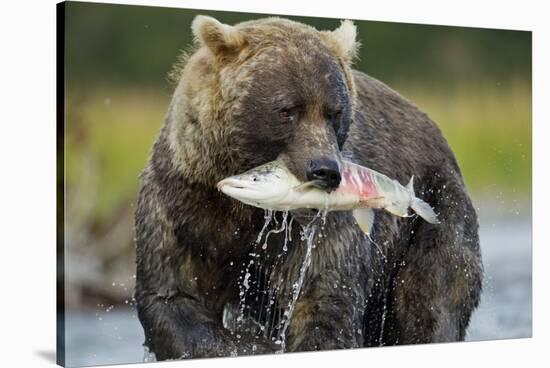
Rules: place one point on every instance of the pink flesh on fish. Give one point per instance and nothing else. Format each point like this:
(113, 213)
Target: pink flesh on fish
(358, 182)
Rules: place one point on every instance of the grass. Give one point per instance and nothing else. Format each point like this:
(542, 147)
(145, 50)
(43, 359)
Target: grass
(489, 129)
(110, 132)
(115, 130)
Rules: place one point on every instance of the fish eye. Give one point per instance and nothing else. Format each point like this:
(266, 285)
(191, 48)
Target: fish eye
(254, 178)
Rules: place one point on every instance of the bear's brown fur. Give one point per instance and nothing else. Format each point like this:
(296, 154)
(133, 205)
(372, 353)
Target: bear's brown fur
(273, 88)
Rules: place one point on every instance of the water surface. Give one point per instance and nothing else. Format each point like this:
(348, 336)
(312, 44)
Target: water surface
(114, 335)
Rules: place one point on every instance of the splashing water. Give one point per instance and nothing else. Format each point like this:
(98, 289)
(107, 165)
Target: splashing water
(378, 247)
(266, 270)
(276, 319)
(383, 321)
(385, 298)
(308, 233)
(244, 284)
(288, 235)
(283, 227)
(268, 216)
(245, 273)
(148, 356)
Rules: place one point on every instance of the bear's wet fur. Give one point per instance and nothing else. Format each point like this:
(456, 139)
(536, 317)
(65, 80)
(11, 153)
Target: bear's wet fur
(273, 88)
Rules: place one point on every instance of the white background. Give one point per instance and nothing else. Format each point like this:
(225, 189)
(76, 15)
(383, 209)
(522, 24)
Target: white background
(27, 180)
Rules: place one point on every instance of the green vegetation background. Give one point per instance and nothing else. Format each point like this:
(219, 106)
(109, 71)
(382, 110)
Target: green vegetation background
(475, 83)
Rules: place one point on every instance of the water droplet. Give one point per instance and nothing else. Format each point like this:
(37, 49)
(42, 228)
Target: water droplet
(245, 282)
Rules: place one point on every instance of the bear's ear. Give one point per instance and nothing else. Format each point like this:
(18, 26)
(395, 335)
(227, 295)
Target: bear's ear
(218, 37)
(343, 40)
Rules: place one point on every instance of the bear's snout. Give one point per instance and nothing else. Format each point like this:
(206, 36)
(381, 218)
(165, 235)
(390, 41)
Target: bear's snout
(325, 172)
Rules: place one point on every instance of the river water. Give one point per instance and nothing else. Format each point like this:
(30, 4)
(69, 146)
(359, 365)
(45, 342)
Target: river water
(114, 335)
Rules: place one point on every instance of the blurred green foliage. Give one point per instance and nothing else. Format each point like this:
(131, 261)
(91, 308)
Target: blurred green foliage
(475, 83)
(117, 44)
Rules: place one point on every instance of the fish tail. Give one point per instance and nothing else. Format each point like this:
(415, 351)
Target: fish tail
(421, 208)
(424, 210)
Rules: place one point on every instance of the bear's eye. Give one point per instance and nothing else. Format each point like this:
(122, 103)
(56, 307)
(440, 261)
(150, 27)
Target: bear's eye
(288, 115)
(334, 116)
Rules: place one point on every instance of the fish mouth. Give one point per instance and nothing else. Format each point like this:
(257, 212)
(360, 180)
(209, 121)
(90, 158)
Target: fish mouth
(242, 190)
(257, 194)
(233, 183)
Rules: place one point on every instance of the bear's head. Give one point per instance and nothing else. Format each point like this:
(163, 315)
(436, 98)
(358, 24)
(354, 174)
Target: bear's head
(261, 90)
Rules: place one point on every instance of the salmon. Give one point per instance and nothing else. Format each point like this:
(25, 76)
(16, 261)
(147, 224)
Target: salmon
(272, 186)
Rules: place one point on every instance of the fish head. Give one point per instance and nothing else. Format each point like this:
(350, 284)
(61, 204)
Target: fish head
(264, 186)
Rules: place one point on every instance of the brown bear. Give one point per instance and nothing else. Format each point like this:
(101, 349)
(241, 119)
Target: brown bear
(215, 278)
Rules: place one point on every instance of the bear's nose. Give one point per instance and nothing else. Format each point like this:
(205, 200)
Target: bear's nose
(325, 173)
